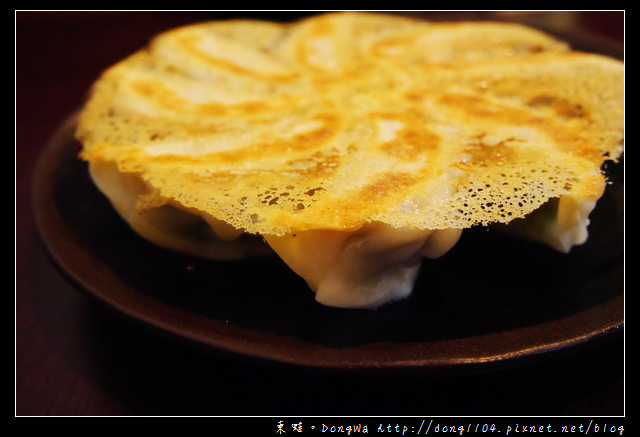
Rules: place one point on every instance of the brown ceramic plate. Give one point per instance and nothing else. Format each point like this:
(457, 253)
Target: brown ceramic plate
(492, 300)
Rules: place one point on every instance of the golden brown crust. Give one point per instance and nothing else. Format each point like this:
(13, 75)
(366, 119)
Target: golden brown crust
(345, 119)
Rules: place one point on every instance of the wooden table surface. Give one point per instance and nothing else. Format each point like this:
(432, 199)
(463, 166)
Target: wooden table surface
(75, 357)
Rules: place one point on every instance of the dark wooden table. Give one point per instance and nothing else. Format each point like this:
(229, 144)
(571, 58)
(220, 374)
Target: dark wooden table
(75, 357)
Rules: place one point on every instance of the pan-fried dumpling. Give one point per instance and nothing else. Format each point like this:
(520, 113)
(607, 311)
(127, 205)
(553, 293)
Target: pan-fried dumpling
(353, 144)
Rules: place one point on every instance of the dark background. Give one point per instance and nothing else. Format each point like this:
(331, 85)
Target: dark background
(74, 357)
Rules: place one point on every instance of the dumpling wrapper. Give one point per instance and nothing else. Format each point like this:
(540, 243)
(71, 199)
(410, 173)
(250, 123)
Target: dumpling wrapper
(355, 144)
